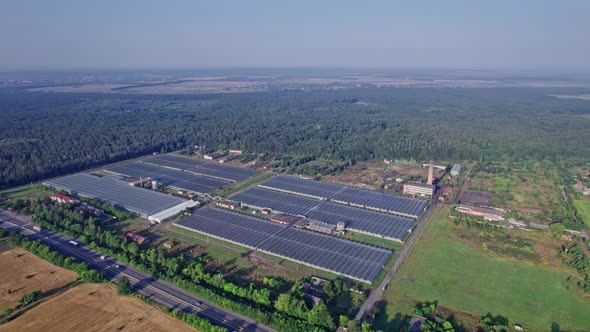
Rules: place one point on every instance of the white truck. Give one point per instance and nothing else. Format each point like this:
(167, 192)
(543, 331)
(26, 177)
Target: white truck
(37, 228)
(74, 243)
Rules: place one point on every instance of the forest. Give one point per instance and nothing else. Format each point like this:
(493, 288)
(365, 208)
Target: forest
(44, 135)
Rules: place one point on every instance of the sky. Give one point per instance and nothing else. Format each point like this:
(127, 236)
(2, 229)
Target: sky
(470, 34)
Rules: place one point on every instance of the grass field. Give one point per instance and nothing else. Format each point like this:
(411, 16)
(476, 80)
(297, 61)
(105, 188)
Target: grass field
(21, 272)
(25, 191)
(376, 241)
(583, 207)
(94, 307)
(466, 279)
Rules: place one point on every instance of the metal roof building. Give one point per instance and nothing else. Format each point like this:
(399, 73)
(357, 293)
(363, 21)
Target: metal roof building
(109, 189)
(456, 170)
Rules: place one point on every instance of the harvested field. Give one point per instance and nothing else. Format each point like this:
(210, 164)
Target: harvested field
(22, 272)
(94, 307)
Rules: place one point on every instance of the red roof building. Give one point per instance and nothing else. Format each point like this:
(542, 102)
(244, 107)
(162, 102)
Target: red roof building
(63, 199)
(135, 238)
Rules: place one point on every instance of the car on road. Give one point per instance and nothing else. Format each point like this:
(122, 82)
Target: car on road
(117, 266)
(198, 303)
(103, 257)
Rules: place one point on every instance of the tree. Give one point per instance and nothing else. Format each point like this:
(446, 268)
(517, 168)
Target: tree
(343, 320)
(123, 287)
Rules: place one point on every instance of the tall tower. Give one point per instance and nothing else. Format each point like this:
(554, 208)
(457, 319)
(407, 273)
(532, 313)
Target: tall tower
(431, 172)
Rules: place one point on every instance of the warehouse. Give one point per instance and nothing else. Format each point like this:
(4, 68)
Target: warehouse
(143, 202)
(419, 189)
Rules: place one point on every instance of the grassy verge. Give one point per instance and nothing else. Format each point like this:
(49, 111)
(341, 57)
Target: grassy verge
(465, 279)
(376, 241)
(243, 184)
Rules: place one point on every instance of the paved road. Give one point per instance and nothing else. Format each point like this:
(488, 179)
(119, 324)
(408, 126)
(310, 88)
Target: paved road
(377, 293)
(157, 290)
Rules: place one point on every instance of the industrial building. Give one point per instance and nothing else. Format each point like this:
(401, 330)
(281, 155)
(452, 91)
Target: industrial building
(456, 170)
(489, 214)
(419, 189)
(146, 203)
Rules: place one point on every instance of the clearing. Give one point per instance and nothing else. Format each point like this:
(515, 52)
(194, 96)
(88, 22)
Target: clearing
(530, 188)
(476, 280)
(22, 272)
(94, 307)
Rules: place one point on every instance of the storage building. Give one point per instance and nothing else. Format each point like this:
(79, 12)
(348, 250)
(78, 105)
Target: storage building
(456, 170)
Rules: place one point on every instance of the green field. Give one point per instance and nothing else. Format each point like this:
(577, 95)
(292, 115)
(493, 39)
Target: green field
(373, 240)
(583, 207)
(24, 192)
(461, 278)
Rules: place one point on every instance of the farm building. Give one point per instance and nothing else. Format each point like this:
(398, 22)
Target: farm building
(135, 238)
(456, 170)
(322, 227)
(63, 199)
(227, 205)
(582, 188)
(419, 189)
(214, 155)
(487, 213)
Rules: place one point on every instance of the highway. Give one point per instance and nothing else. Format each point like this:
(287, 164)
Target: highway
(141, 282)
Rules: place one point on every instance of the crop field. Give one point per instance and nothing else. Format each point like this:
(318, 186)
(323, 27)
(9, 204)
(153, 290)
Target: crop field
(531, 290)
(583, 207)
(94, 307)
(23, 272)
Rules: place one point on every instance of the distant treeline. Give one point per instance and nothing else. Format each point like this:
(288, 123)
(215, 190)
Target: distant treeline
(48, 134)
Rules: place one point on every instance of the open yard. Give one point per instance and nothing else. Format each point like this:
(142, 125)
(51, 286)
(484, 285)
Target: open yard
(94, 307)
(22, 272)
(377, 175)
(442, 267)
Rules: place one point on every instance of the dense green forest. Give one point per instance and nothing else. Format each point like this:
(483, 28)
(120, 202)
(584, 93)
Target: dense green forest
(49, 134)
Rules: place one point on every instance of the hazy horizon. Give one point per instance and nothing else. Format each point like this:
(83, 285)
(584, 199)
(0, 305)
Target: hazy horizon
(147, 35)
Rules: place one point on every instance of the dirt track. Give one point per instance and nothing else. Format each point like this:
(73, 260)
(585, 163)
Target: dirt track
(94, 307)
(21, 272)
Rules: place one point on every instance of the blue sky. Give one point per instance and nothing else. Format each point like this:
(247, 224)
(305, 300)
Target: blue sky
(519, 34)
